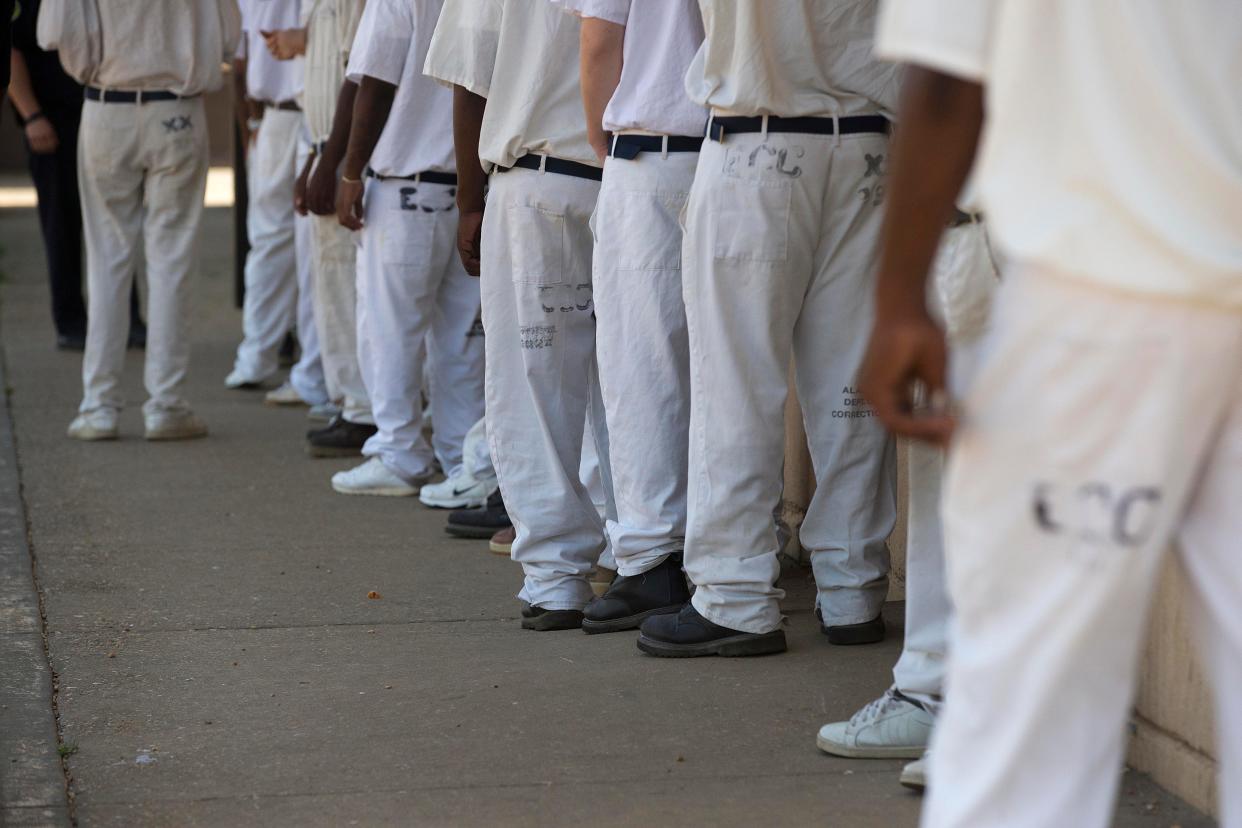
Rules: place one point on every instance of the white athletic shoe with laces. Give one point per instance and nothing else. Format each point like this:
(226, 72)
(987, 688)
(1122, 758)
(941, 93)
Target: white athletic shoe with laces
(99, 424)
(461, 491)
(173, 425)
(372, 478)
(891, 727)
(285, 394)
(914, 775)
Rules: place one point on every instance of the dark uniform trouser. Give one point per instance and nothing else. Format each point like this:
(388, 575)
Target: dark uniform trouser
(60, 218)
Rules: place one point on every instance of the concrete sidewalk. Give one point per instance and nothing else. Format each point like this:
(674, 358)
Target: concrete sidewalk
(219, 661)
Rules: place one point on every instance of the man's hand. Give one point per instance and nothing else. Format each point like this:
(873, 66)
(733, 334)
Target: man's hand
(285, 44)
(321, 189)
(42, 136)
(469, 236)
(299, 186)
(906, 351)
(349, 203)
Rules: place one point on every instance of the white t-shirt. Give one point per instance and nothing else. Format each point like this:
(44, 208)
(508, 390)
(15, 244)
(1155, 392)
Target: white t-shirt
(330, 27)
(661, 38)
(172, 45)
(1113, 147)
(391, 46)
(269, 79)
(522, 55)
(792, 58)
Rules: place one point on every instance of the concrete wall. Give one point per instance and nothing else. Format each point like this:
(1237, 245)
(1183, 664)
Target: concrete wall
(1172, 725)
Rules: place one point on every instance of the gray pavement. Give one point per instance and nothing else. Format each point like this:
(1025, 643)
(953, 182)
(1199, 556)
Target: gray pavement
(220, 663)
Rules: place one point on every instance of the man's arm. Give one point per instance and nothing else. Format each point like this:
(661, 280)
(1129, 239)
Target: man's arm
(321, 188)
(940, 119)
(601, 46)
(372, 103)
(285, 44)
(468, 111)
(39, 130)
(246, 110)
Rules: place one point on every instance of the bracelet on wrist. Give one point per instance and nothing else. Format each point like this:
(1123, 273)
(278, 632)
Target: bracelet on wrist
(34, 116)
(347, 180)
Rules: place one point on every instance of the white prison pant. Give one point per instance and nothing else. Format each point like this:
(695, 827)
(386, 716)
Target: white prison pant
(335, 279)
(307, 376)
(778, 260)
(414, 297)
(595, 475)
(1100, 428)
(963, 282)
(143, 171)
(476, 456)
(271, 265)
(643, 352)
(541, 381)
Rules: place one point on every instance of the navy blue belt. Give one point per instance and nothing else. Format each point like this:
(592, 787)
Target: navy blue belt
(556, 165)
(124, 96)
(719, 127)
(629, 146)
(431, 177)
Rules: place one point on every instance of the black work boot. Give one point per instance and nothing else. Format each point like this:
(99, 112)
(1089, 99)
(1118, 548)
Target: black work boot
(688, 634)
(631, 599)
(546, 620)
(340, 438)
(479, 523)
(846, 635)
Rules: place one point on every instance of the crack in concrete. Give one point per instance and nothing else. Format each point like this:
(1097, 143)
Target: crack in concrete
(62, 749)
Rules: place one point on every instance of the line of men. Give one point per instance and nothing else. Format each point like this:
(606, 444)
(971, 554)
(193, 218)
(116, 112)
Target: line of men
(644, 289)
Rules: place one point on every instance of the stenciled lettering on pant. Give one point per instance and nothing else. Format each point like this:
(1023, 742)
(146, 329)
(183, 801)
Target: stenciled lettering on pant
(580, 302)
(535, 337)
(177, 124)
(873, 195)
(855, 405)
(764, 158)
(408, 201)
(1097, 513)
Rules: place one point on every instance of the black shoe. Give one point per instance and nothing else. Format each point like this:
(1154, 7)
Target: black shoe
(71, 342)
(845, 635)
(340, 439)
(479, 523)
(546, 620)
(289, 351)
(688, 634)
(137, 337)
(632, 599)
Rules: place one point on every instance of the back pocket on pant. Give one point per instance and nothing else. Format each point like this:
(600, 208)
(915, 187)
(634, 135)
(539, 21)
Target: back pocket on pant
(536, 245)
(751, 220)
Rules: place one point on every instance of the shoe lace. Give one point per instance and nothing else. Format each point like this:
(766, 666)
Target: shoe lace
(878, 707)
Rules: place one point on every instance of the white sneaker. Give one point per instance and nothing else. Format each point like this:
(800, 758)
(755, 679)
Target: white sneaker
(914, 775)
(99, 424)
(323, 413)
(285, 394)
(236, 379)
(174, 425)
(891, 727)
(461, 491)
(372, 478)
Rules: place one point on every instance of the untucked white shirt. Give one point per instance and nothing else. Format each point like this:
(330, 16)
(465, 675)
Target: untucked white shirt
(522, 55)
(418, 136)
(661, 39)
(173, 45)
(1113, 145)
(792, 58)
(330, 27)
(269, 79)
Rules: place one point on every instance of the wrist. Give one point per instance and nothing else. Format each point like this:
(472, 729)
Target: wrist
(37, 115)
